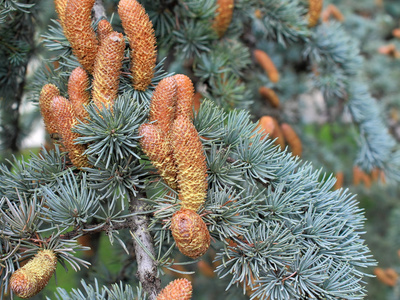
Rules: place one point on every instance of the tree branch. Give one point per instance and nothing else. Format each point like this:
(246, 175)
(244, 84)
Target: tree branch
(147, 267)
(87, 229)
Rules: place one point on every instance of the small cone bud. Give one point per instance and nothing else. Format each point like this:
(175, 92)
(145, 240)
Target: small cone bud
(190, 233)
(30, 279)
(224, 16)
(66, 120)
(159, 152)
(179, 289)
(162, 107)
(267, 64)
(292, 139)
(191, 163)
(80, 33)
(78, 92)
(107, 69)
(48, 92)
(142, 41)
(185, 94)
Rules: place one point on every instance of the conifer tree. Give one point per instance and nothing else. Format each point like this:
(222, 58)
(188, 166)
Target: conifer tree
(167, 178)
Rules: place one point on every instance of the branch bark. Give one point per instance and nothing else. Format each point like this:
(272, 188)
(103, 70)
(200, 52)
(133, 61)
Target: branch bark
(147, 267)
(88, 229)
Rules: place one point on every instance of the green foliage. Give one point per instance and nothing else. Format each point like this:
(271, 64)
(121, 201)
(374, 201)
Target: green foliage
(116, 292)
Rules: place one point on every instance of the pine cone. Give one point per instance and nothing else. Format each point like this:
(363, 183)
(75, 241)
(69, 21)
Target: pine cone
(60, 6)
(185, 96)
(66, 120)
(30, 279)
(163, 104)
(267, 64)
(78, 92)
(224, 16)
(80, 33)
(104, 28)
(190, 233)
(270, 126)
(292, 139)
(314, 11)
(142, 41)
(191, 163)
(332, 11)
(270, 96)
(48, 92)
(107, 70)
(179, 289)
(159, 152)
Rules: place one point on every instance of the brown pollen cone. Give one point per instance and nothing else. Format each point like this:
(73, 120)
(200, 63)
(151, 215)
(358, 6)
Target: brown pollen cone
(389, 50)
(224, 16)
(292, 139)
(80, 33)
(107, 69)
(104, 28)
(271, 127)
(139, 30)
(162, 107)
(30, 279)
(48, 92)
(185, 94)
(314, 11)
(267, 125)
(179, 289)
(339, 180)
(60, 6)
(159, 152)
(191, 163)
(357, 174)
(269, 95)
(267, 64)
(190, 233)
(66, 120)
(396, 32)
(388, 277)
(332, 11)
(78, 92)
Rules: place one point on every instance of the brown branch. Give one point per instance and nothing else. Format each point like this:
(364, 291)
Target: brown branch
(87, 229)
(147, 267)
